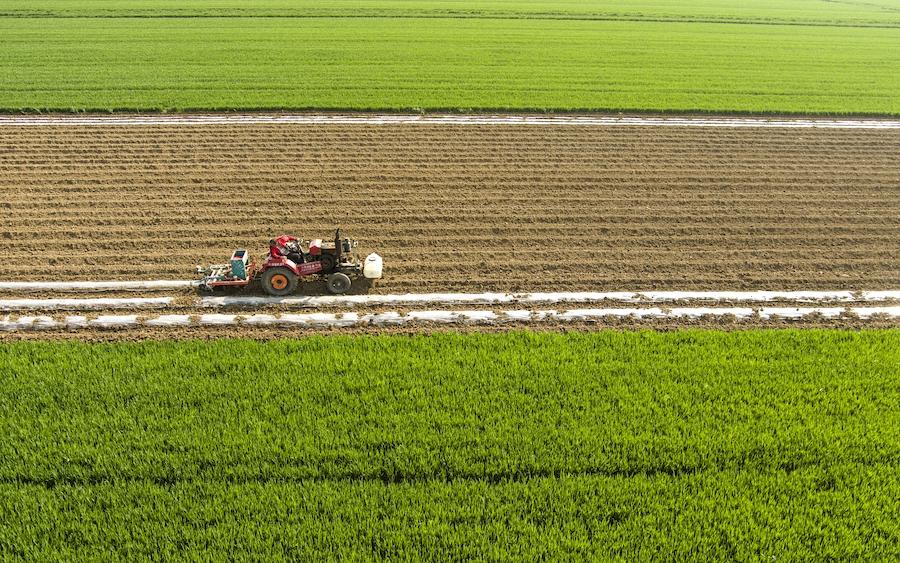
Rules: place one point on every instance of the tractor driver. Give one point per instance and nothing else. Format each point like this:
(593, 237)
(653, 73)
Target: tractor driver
(287, 246)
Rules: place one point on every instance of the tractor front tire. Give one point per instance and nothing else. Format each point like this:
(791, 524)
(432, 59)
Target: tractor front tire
(279, 281)
(339, 283)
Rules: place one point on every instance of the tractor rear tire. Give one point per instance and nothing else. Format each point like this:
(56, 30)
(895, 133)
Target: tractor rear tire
(279, 281)
(339, 283)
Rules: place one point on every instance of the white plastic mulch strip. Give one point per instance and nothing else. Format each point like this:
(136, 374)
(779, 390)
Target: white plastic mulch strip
(800, 312)
(28, 323)
(393, 318)
(213, 320)
(879, 295)
(170, 320)
(315, 301)
(434, 119)
(85, 304)
(699, 312)
(762, 296)
(114, 321)
(97, 285)
(868, 312)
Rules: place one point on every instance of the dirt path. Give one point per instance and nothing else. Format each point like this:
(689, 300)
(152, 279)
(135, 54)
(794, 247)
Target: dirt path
(463, 208)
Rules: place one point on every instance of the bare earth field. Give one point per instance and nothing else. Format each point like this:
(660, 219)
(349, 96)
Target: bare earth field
(463, 208)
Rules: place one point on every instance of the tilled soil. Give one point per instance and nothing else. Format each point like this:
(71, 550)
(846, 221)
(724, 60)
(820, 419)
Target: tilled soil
(462, 208)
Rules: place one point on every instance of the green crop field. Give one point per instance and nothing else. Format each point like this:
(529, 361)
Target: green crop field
(793, 56)
(872, 12)
(775, 445)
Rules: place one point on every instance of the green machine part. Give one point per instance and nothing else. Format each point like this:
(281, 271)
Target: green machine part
(239, 264)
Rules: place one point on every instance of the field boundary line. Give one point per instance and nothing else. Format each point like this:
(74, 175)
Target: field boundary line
(78, 304)
(394, 318)
(460, 15)
(439, 119)
(98, 285)
(367, 300)
(315, 301)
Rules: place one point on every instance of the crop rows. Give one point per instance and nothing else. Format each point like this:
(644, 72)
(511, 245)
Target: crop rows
(596, 445)
(433, 63)
(463, 208)
(724, 11)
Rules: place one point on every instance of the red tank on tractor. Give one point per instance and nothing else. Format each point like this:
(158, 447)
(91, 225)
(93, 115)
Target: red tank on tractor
(288, 262)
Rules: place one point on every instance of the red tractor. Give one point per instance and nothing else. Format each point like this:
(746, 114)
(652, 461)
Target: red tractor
(287, 262)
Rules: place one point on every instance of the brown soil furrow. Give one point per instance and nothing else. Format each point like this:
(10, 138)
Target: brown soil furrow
(684, 235)
(416, 192)
(760, 242)
(746, 161)
(410, 167)
(864, 226)
(436, 222)
(640, 281)
(87, 254)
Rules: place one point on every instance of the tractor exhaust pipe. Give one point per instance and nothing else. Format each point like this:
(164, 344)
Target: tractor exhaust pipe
(337, 246)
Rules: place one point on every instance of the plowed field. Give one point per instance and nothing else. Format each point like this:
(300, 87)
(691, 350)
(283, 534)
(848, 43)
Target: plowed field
(462, 208)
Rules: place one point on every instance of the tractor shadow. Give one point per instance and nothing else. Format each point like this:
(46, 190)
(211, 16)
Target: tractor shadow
(361, 286)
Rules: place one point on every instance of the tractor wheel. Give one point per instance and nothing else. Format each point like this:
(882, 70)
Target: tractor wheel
(279, 281)
(338, 283)
(328, 263)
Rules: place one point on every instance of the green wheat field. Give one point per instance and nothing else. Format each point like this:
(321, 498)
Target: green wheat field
(713, 56)
(621, 445)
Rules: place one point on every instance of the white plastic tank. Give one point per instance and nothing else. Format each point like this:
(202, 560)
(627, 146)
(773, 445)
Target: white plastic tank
(372, 266)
